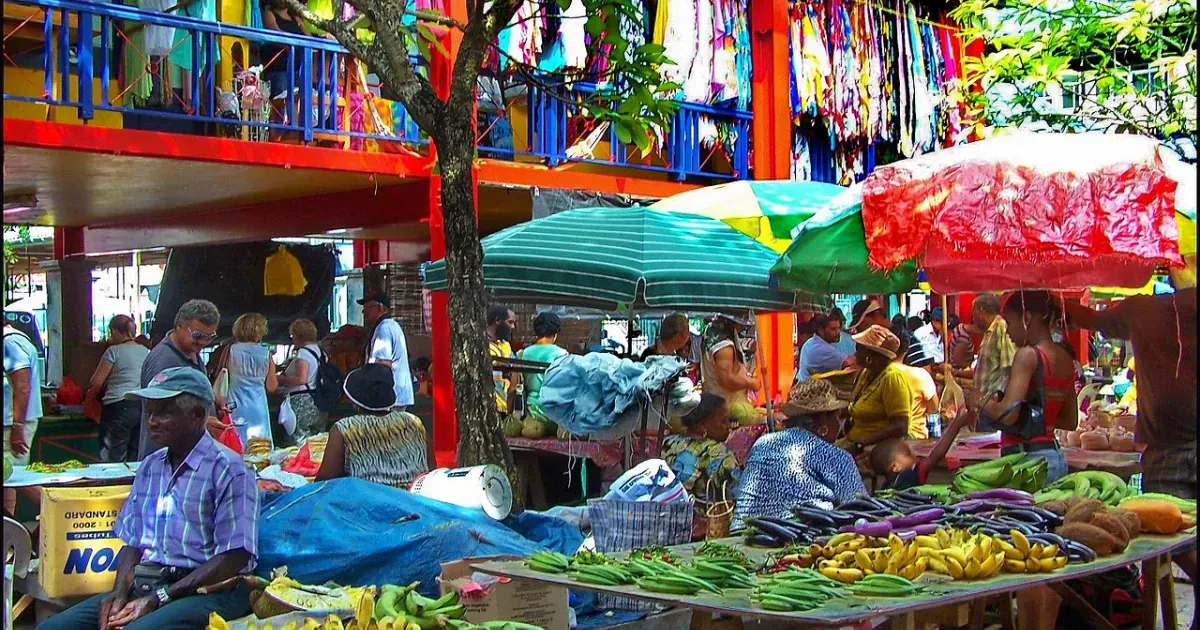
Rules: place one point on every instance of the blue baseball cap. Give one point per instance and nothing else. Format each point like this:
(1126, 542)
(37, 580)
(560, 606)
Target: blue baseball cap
(172, 382)
(937, 313)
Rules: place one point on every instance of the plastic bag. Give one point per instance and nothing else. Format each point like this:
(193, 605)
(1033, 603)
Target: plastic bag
(69, 393)
(651, 480)
(229, 437)
(282, 274)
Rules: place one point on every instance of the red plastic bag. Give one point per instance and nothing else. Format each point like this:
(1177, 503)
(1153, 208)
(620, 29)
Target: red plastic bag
(229, 437)
(301, 463)
(93, 405)
(69, 393)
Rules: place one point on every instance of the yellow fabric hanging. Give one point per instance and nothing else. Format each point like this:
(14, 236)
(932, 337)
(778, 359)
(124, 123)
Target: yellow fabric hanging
(282, 274)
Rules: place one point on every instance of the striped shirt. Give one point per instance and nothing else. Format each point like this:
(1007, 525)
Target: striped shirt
(184, 518)
(389, 449)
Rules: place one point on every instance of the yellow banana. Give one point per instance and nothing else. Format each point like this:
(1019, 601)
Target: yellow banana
(943, 538)
(846, 576)
(895, 544)
(1036, 551)
(845, 558)
(939, 566)
(985, 543)
(216, 622)
(863, 560)
(957, 554)
(881, 561)
(333, 622)
(913, 550)
(364, 610)
(1012, 553)
(988, 566)
(955, 570)
(977, 554)
(1003, 544)
(841, 538)
(893, 564)
(1014, 566)
(386, 623)
(928, 542)
(1020, 542)
(971, 571)
(1060, 562)
(1047, 564)
(1050, 552)
(1033, 565)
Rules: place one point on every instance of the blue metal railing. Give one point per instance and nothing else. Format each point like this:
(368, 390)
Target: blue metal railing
(311, 75)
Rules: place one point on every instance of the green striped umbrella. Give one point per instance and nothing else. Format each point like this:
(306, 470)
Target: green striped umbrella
(618, 258)
(828, 254)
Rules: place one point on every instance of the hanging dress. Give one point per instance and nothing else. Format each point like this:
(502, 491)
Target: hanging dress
(248, 365)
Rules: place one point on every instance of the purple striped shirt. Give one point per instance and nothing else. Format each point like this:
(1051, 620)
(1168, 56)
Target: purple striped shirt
(185, 517)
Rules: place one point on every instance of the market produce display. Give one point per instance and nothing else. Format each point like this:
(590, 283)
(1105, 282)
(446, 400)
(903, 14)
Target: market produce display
(1011, 471)
(1090, 484)
(395, 608)
(1105, 427)
(44, 468)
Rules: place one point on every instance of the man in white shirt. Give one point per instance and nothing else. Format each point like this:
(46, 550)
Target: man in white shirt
(22, 402)
(931, 337)
(387, 345)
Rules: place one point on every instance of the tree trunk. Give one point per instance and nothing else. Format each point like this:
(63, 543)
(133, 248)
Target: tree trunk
(481, 437)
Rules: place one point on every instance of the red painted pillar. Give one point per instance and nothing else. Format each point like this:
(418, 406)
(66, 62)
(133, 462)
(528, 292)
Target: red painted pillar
(770, 98)
(445, 418)
(68, 242)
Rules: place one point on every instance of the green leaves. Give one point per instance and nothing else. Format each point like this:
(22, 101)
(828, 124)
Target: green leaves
(1035, 46)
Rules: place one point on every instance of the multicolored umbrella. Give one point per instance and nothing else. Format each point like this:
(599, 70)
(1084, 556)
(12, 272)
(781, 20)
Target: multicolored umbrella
(829, 254)
(766, 211)
(630, 258)
(1055, 211)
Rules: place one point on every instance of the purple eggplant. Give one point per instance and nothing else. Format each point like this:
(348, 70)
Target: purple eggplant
(874, 530)
(916, 518)
(1004, 494)
(908, 533)
(971, 506)
(853, 527)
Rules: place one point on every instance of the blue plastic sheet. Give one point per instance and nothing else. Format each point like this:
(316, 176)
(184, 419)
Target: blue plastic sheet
(355, 533)
(586, 394)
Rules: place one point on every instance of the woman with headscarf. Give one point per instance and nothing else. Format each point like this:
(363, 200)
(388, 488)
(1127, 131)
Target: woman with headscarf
(799, 466)
(723, 370)
(881, 406)
(380, 443)
(546, 327)
(1039, 365)
(699, 456)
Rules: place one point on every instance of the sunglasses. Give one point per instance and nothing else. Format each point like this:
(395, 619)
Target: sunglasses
(202, 336)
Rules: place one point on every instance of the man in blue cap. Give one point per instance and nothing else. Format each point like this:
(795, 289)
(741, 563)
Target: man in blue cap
(191, 521)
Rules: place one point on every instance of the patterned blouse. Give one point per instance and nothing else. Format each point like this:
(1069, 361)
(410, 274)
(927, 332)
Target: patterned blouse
(387, 449)
(697, 461)
(793, 468)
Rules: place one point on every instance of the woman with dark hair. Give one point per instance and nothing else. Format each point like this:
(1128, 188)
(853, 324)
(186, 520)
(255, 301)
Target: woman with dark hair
(546, 327)
(723, 370)
(1040, 364)
(699, 456)
(799, 466)
(120, 372)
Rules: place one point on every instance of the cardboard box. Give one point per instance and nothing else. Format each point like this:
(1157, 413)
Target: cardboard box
(526, 601)
(78, 550)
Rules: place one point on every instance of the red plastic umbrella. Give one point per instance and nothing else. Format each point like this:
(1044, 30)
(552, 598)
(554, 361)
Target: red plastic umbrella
(1052, 211)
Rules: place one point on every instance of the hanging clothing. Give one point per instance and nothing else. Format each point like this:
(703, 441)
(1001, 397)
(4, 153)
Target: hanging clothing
(698, 87)
(181, 56)
(248, 365)
(679, 40)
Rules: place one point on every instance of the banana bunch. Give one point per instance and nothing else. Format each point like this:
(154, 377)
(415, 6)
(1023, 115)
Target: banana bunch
(1091, 484)
(795, 589)
(884, 585)
(896, 559)
(1011, 471)
(413, 611)
(603, 575)
(962, 555)
(548, 562)
(1022, 557)
(724, 571)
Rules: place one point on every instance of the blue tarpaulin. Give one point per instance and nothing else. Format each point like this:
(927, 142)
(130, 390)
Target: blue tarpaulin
(355, 533)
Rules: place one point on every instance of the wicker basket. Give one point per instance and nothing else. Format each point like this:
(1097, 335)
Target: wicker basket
(718, 516)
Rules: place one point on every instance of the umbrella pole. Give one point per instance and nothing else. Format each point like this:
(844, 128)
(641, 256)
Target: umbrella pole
(945, 329)
(629, 334)
(763, 370)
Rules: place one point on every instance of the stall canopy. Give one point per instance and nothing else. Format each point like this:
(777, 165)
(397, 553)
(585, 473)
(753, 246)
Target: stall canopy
(630, 258)
(828, 254)
(1053, 211)
(232, 277)
(767, 211)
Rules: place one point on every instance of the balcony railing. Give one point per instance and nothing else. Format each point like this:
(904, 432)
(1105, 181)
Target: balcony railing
(76, 53)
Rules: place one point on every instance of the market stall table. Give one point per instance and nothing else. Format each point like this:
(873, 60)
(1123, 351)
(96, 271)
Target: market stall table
(1154, 552)
(970, 448)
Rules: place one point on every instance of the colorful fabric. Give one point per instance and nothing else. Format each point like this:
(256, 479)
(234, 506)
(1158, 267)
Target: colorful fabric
(876, 401)
(996, 353)
(702, 465)
(792, 468)
(184, 518)
(389, 449)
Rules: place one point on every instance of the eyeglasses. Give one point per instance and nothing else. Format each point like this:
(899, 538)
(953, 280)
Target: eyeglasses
(202, 336)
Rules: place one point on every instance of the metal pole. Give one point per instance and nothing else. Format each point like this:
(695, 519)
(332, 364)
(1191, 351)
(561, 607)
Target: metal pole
(945, 329)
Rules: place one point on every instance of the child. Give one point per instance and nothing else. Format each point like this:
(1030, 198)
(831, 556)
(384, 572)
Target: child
(896, 461)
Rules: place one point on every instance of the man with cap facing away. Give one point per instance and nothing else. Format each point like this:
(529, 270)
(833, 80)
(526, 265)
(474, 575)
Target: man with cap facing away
(191, 521)
(388, 345)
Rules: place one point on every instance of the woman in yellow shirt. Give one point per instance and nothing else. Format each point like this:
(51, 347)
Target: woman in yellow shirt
(881, 405)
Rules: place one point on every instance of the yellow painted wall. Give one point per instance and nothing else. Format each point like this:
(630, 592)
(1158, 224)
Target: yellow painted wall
(25, 82)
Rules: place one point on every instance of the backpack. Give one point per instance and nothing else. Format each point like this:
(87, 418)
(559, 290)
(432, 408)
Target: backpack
(327, 393)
